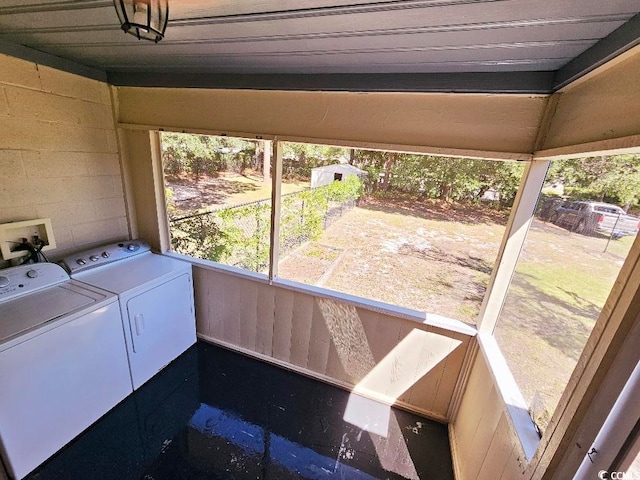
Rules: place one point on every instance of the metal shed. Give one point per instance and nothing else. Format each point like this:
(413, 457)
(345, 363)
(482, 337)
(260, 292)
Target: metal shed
(321, 176)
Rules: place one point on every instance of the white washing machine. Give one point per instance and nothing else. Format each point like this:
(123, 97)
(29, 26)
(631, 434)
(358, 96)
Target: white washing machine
(63, 362)
(156, 301)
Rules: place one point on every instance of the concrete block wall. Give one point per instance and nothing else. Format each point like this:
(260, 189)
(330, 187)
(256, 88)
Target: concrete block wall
(59, 155)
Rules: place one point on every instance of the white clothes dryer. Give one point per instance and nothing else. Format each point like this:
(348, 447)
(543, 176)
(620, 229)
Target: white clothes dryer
(156, 301)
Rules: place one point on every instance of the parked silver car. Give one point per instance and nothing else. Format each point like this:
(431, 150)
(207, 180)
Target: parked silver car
(588, 218)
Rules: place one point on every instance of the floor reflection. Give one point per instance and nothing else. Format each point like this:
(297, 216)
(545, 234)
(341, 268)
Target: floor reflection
(214, 414)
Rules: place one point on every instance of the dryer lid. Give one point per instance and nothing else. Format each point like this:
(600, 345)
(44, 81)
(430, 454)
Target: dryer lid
(125, 275)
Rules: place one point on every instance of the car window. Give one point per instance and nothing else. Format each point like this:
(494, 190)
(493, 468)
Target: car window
(614, 210)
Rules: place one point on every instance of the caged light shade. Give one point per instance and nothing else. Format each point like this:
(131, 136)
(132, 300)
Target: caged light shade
(143, 18)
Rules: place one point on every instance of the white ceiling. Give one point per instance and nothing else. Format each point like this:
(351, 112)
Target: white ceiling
(307, 37)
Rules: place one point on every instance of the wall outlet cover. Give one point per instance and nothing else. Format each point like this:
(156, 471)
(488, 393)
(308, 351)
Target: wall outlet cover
(11, 235)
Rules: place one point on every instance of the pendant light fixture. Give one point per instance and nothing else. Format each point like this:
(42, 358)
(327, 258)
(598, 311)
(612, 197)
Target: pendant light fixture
(143, 18)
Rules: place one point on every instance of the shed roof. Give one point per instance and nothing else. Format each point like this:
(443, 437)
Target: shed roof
(342, 166)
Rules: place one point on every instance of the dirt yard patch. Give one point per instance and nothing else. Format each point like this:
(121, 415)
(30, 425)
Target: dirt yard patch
(429, 256)
(191, 194)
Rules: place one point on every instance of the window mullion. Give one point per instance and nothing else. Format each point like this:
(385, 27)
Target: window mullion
(276, 187)
(514, 236)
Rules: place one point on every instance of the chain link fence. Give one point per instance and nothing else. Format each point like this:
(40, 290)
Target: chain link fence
(239, 235)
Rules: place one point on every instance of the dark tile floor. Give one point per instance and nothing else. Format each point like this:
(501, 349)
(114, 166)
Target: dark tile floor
(215, 414)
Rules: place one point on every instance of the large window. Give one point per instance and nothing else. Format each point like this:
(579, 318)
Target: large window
(582, 231)
(218, 193)
(416, 231)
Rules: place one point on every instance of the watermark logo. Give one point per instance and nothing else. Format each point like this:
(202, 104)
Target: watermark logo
(605, 475)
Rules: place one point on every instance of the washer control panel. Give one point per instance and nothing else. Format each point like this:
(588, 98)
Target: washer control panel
(104, 254)
(16, 281)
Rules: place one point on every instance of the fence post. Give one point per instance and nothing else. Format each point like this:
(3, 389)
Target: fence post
(257, 235)
(611, 234)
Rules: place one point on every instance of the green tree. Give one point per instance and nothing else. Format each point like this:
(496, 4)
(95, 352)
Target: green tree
(445, 178)
(205, 154)
(298, 159)
(613, 178)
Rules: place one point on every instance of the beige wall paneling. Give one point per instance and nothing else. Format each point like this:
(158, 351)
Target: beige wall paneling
(248, 311)
(499, 451)
(145, 169)
(615, 146)
(603, 107)
(283, 324)
(337, 360)
(484, 442)
(429, 368)
(301, 329)
(373, 354)
(479, 387)
(202, 285)
(58, 155)
(459, 122)
(232, 288)
(265, 319)
(319, 342)
(446, 388)
(514, 470)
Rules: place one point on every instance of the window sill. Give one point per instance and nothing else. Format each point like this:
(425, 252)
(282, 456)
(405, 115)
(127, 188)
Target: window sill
(516, 407)
(430, 319)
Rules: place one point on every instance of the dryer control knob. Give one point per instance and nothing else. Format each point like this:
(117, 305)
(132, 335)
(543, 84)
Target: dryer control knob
(32, 274)
(81, 261)
(132, 247)
(4, 281)
(105, 254)
(94, 258)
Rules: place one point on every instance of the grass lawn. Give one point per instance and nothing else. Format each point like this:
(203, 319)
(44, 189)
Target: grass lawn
(560, 286)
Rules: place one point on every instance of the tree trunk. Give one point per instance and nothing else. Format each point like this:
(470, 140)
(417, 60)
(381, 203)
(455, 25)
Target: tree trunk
(445, 191)
(266, 161)
(388, 166)
(352, 156)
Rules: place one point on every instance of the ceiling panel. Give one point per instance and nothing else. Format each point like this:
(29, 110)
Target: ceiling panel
(323, 36)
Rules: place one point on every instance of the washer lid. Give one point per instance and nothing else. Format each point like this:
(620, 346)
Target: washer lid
(124, 275)
(28, 312)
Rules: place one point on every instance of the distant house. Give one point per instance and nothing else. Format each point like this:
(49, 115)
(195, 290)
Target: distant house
(321, 176)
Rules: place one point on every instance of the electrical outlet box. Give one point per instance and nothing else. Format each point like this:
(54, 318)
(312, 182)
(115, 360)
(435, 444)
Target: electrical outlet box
(11, 235)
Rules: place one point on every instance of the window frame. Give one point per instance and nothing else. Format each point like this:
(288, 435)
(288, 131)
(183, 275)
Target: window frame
(506, 262)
